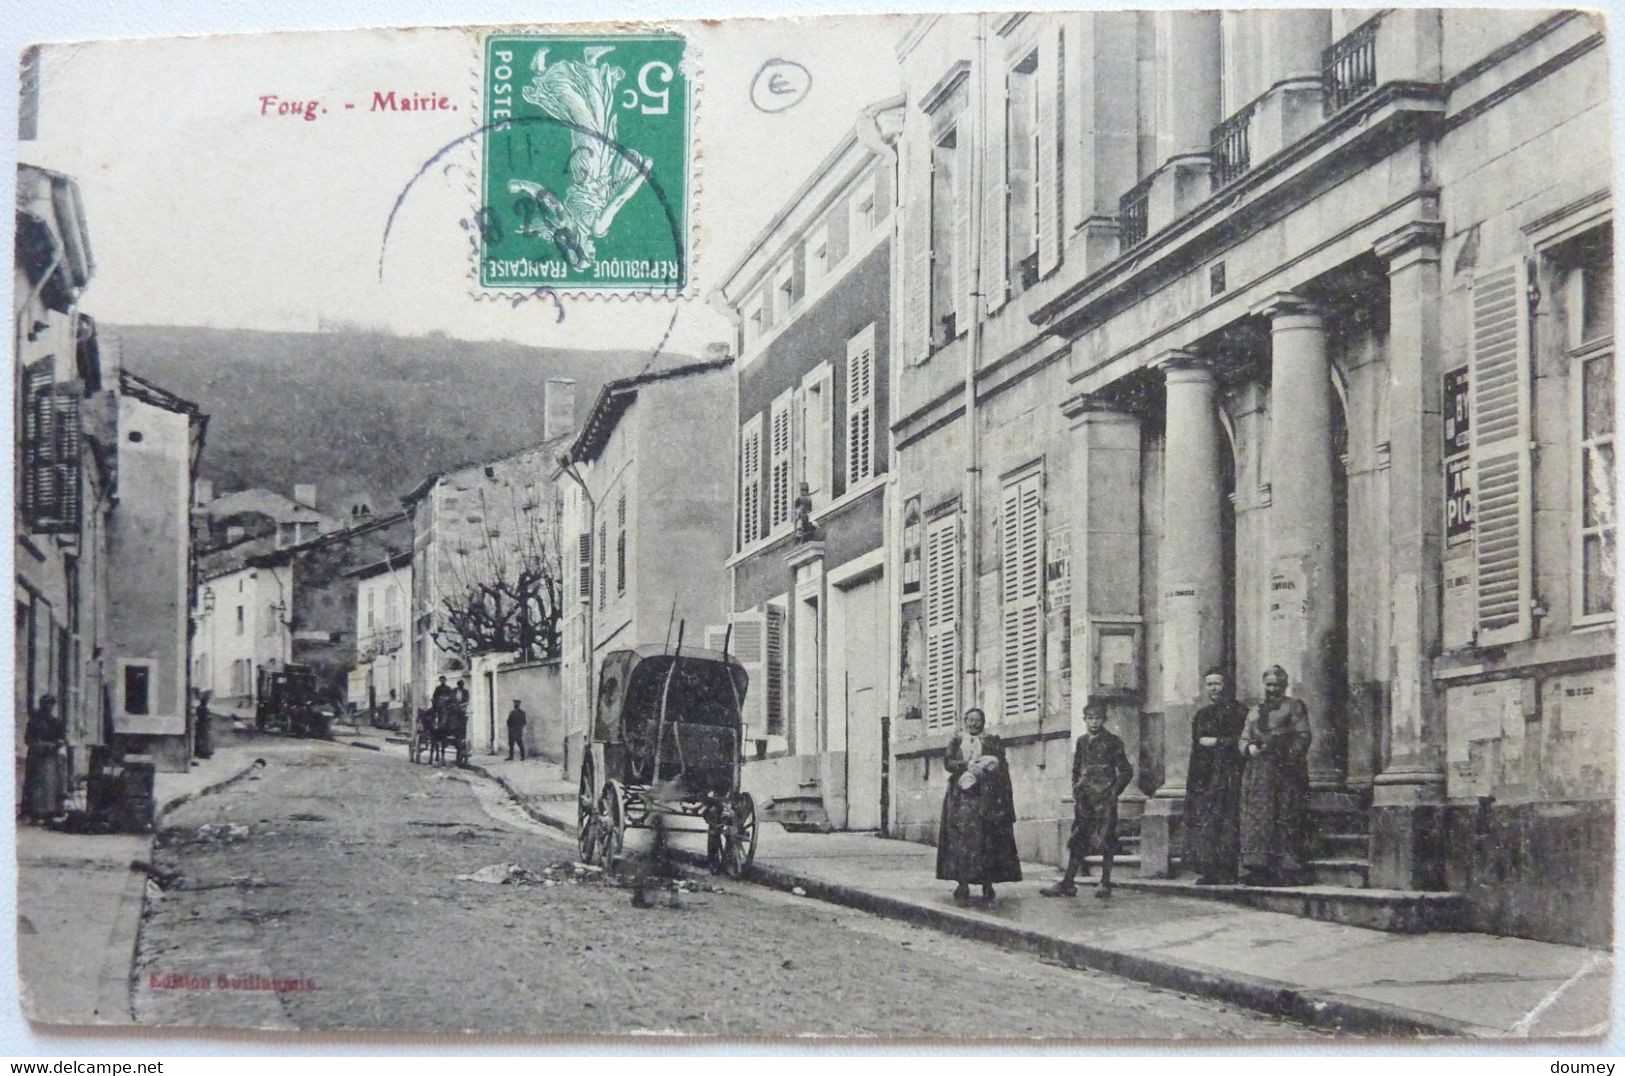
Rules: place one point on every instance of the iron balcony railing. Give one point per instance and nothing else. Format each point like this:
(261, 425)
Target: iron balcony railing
(1232, 152)
(384, 641)
(1349, 66)
(1133, 216)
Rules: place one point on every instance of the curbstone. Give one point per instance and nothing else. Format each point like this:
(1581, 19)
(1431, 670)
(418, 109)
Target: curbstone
(207, 790)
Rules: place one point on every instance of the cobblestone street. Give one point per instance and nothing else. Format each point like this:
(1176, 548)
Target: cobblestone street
(336, 871)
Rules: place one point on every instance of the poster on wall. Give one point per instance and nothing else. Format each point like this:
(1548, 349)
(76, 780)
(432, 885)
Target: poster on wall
(911, 662)
(1458, 469)
(1058, 620)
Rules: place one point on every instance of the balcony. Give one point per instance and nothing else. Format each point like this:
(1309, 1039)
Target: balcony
(1133, 215)
(1232, 155)
(1349, 66)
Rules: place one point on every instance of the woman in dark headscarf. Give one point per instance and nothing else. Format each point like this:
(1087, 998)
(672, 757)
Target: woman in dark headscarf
(42, 772)
(1213, 787)
(1274, 786)
(976, 844)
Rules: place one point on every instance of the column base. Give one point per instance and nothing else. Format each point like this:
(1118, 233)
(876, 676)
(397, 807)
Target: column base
(1161, 829)
(1178, 187)
(1408, 831)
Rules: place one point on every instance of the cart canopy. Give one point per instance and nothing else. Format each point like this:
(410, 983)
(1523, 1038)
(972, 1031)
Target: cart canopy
(706, 689)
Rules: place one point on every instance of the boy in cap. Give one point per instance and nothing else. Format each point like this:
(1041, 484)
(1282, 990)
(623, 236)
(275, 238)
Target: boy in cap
(1100, 772)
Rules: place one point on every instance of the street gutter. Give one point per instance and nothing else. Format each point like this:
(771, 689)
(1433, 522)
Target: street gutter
(1324, 1009)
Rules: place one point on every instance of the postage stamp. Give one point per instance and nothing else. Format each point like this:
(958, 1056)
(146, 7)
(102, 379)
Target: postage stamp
(586, 162)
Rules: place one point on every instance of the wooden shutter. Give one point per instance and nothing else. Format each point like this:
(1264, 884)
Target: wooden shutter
(773, 695)
(749, 647)
(750, 482)
(1048, 164)
(39, 443)
(914, 334)
(67, 469)
(942, 624)
(603, 563)
(1021, 561)
(963, 169)
(995, 196)
(779, 492)
(1498, 376)
(584, 566)
(860, 406)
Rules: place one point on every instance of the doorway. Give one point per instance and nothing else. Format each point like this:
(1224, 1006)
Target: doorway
(863, 640)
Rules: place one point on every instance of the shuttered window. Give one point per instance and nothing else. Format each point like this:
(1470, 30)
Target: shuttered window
(620, 544)
(757, 643)
(50, 451)
(750, 482)
(779, 493)
(603, 564)
(1498, 376)
(860, 407)
(1048, 150)
(584, 566)
(1021, 566)
(942, 623)
(947, 236)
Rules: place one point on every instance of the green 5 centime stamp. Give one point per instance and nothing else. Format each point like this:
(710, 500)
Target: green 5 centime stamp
(586, 170)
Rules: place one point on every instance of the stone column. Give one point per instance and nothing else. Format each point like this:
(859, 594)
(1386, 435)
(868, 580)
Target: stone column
(1105, 502)
(1189, 102)
(1294, 39)
(1188, 80)
(1407, 821)
(1303, 576)
(1192, 587)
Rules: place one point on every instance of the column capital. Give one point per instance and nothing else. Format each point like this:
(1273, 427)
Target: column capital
(1411, 240)
(1087, 406)
(1284, 304)
(1180, 364)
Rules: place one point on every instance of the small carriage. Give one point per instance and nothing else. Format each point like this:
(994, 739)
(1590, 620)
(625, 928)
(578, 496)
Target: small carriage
(433, 734)
(666, 741)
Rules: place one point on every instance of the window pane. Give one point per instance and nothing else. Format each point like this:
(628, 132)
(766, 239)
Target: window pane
(1597, 315)
(1597, 486)
(1598, 389)
(136, 689)
(1599, 573)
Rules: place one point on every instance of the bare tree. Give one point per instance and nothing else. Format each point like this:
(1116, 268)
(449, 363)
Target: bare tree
(503, 593)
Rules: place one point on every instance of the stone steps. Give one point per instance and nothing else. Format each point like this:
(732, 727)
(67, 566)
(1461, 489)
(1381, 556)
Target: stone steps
(1395, 911)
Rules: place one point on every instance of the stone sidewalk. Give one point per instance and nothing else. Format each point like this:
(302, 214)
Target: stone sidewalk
(1326, 974)
(79, 903)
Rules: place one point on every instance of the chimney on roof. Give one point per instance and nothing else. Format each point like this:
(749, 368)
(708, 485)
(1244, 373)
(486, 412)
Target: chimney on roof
(305, 493)
(203, 493)
(558, 408)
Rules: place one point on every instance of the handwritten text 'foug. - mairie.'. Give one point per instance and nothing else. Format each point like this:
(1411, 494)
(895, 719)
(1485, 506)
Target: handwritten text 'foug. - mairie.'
(381, 101)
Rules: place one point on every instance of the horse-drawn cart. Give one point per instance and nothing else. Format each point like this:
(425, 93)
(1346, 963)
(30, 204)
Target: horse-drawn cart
(666, 742)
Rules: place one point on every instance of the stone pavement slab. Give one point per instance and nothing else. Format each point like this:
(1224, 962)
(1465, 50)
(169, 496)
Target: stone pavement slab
(1330, 974)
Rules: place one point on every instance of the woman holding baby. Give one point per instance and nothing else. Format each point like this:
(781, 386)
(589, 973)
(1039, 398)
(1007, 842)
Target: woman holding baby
(976, 844)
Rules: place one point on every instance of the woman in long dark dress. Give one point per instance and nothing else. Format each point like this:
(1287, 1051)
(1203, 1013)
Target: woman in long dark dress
(1274, 786)
(976, 844)
(42, 768)
(1213, 786)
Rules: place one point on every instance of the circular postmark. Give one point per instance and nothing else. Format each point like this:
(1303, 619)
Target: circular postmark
(779, 85)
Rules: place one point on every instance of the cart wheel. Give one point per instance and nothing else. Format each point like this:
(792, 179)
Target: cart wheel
(586, 817)
(737, 837)
(611, 826)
